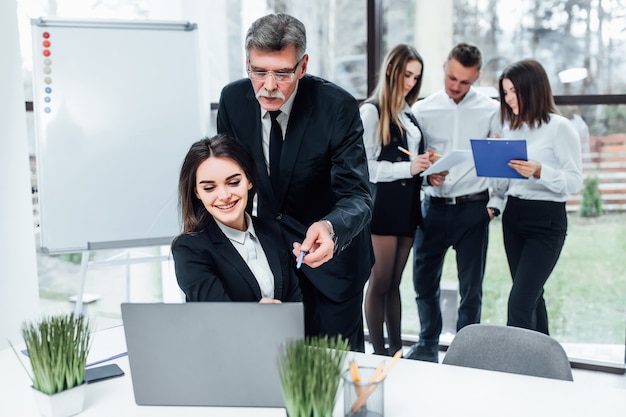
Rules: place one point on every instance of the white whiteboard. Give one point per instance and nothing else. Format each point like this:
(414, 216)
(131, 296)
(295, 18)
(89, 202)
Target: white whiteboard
(116, 109)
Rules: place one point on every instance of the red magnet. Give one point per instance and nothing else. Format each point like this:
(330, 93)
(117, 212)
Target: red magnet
(46, 44)
(46, 35)
(46, 52)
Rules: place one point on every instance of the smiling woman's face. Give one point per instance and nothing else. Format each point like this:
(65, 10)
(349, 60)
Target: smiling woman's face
(510, 96)
(222, 186)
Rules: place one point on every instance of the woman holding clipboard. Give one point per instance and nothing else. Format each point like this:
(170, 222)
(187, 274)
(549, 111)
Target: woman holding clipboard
(534, 221)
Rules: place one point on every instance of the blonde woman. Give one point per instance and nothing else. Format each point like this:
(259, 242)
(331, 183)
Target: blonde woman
(395, 153)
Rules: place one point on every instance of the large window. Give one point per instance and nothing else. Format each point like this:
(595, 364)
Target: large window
(580, 43)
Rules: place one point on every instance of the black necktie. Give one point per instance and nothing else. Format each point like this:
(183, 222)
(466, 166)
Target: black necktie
(276, 146)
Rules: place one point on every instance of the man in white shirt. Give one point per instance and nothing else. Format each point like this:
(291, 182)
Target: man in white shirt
(457, 208)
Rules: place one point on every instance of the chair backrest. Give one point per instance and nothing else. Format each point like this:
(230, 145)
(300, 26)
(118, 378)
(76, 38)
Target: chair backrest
(509, 349)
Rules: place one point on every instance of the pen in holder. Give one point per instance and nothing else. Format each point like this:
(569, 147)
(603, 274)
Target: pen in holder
(363, 396)
(364, 390)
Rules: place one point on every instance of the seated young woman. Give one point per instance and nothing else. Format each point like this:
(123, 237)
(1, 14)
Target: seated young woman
(224, 254)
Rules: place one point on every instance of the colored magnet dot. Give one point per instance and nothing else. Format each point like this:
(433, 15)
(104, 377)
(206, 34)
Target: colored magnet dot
(48, 90)
(46, 35)
(46, 99)
(46, 44)
(46, 52)
(47, 109)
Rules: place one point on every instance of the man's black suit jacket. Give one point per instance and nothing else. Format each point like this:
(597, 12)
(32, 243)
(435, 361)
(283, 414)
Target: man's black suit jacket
(209, 268)
(324, 175)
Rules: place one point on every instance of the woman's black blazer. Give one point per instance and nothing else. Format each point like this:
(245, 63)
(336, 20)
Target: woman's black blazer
(209, 268)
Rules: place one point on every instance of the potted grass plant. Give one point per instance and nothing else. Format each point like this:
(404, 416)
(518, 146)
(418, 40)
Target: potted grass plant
(310, 373)
(57, 347)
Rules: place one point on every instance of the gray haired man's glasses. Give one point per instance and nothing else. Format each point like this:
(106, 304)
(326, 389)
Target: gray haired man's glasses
(279, 76)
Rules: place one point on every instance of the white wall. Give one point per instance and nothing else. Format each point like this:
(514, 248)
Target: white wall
(433, 40)
(211, 18)
(19, 297)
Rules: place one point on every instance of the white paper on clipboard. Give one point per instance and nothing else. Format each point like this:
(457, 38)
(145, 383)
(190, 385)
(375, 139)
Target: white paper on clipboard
(449, 160)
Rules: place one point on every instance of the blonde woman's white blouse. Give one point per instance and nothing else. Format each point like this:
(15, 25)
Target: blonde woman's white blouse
(386, 171)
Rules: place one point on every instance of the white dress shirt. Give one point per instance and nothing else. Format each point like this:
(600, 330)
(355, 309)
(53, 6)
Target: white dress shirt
(386, 171)
(447, 125)
(248, 245)
(556, 145)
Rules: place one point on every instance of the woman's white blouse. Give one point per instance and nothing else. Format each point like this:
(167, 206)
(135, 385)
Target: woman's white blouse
(386, 171)
(556, 145)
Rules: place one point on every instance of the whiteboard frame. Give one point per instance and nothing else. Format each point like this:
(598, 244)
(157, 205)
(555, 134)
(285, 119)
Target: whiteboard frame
(78, 221)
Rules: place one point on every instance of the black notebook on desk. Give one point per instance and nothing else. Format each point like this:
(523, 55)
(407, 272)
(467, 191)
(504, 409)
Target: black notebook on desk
(492, 156)
(209, 354)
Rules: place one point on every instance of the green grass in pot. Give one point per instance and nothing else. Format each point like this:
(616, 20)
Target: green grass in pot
(310, 372)
(57, 348)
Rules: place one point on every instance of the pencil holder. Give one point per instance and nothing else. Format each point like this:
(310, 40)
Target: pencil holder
(364, 397)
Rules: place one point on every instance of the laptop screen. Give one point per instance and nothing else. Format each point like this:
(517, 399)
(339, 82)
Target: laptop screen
(209, 353)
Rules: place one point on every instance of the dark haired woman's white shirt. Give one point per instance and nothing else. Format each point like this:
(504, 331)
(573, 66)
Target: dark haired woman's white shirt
(248, 245)
(556, 145)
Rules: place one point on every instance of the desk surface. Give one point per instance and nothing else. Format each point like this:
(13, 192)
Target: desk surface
(411, 388)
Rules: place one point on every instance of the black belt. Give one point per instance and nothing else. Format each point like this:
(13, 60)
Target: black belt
(450, 201)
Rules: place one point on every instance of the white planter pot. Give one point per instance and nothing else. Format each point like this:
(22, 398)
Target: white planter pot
(63, 404)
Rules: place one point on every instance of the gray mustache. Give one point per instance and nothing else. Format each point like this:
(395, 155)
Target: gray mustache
(270, 94)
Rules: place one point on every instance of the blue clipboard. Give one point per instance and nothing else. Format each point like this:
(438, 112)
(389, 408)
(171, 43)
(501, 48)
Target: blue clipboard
(492, 156)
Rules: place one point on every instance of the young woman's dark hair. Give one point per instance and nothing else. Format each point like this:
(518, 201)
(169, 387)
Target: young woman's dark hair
(191, 207)
(534, 95)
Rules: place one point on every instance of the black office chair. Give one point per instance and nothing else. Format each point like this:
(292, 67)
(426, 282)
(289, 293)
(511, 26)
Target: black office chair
(509, 349)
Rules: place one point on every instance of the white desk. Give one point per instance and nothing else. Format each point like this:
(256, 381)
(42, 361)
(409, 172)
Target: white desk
(411, 389)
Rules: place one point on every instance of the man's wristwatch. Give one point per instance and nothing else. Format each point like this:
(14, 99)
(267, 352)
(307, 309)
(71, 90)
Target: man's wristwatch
(333, 236)
(494, 211)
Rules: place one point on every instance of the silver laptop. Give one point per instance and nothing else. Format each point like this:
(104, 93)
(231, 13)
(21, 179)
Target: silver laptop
(209, 354)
